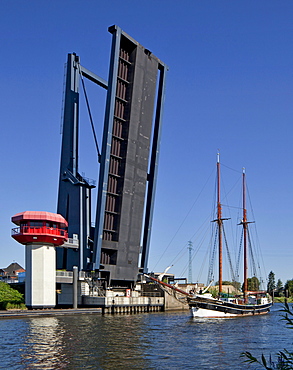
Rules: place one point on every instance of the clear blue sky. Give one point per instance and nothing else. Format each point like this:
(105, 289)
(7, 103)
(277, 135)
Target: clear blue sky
(230, 86)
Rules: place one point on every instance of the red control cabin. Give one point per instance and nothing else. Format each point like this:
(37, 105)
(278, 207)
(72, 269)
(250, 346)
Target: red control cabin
(40, 227)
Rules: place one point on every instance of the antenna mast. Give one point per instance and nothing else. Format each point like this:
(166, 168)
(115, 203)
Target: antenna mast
(190, 262)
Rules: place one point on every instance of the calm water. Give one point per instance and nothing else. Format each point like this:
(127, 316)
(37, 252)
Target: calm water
(145, 341)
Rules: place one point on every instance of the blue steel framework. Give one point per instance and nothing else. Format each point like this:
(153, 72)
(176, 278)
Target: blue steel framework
(74, 195)
(127, 176)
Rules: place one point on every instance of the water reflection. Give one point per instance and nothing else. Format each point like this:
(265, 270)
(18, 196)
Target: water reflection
(143, 341)
(108, 342)
(44, 344)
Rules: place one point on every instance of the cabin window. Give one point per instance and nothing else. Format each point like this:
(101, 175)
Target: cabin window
(36, 223)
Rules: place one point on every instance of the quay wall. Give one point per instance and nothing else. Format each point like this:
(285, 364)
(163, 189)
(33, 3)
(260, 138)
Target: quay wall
(122, 304)
(171, 303)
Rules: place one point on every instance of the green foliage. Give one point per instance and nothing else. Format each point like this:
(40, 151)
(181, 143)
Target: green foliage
(279, 289)
(252, 284)
(214, 292)
(15, 306)
(284, 358)
(225, 282)
(289, 287)
(10, 298)
(279, 284)
(283, 299)
(271, 283)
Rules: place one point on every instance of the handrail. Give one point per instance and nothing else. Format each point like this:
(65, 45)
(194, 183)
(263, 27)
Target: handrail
(39, 230)
(61, 273)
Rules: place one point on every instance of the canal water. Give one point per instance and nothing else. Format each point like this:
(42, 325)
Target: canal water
(163, 340)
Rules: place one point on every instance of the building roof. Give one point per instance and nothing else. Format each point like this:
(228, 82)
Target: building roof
(38, 216)
(13, 268)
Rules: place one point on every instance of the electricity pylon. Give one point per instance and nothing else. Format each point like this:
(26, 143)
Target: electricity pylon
(190, 262)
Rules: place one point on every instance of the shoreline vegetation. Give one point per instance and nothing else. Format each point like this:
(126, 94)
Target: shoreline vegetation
(10, 299)
(283, 300)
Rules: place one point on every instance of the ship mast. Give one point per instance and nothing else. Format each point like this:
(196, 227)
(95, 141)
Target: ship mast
(219, 221)
(244, 223)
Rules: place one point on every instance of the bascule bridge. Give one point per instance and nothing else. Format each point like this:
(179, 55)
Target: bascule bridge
(117, 246)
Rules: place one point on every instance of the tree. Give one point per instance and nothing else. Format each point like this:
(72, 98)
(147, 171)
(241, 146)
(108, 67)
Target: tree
(289, 287)
(252, 284)
(279, 288)
(284, 358)
(271, 283)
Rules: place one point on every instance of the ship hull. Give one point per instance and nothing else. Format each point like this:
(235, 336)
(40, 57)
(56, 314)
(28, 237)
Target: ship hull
(216, 308)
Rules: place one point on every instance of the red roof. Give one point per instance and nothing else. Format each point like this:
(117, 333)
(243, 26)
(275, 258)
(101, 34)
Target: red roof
(38, 216)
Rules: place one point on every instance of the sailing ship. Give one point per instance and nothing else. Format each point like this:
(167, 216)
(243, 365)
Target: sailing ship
(203, 304)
